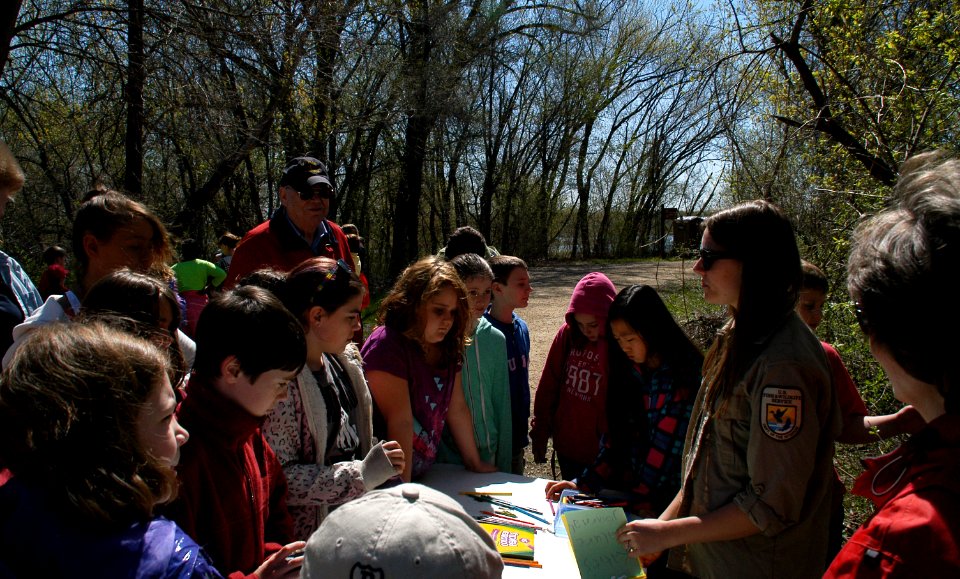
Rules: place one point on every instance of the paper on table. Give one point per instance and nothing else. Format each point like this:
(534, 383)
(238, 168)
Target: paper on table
(593, 536)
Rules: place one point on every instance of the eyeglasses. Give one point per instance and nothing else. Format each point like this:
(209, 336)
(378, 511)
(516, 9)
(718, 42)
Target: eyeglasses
(709, 256)
(322, 191)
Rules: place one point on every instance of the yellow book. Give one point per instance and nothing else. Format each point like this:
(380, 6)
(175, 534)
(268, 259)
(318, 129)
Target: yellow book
(511, 541)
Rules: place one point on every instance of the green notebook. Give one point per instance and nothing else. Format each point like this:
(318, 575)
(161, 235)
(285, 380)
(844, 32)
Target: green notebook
(593, 536)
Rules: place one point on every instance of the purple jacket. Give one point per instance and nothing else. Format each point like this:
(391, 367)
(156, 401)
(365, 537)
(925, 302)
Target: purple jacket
(36, 541)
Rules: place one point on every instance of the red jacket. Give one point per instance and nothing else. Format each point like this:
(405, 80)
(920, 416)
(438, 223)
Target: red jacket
(233, 493)
(571, 400)
(275, 244)
(916, 530)
(53, 281)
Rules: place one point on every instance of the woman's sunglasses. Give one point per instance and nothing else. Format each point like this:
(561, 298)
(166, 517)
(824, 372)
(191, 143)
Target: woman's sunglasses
(710, 256)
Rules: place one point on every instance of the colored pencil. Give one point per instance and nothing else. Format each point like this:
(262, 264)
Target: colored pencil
(509, 505)
(532, 513)
(533, 516)
(511, 519)
(521, 562)
(509, 523)
(541, 519)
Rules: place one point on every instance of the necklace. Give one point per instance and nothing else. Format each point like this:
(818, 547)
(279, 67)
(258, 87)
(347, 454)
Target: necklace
(873, 482)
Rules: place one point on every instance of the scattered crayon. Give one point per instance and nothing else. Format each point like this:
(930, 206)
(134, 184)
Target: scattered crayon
(521, 563)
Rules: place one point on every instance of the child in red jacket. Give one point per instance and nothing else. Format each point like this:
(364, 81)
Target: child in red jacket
(233, 491)
(570, 404)
(859, 426)
(901, 273)
(53, 281)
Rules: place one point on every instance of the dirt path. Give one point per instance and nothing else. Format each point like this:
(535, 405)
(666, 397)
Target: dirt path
(552, 285)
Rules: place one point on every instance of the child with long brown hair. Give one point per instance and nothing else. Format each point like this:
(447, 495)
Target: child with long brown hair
(413, 362)
(90, 439)
(322, 432)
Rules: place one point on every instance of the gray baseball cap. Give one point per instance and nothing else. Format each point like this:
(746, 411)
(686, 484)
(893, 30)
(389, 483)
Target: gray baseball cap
(408, 531)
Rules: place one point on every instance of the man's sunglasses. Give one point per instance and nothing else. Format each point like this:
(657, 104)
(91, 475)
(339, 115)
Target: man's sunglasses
(323, 191)
(709, 256)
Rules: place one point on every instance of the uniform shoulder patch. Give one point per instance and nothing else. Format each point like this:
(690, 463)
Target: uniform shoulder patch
(781, 412)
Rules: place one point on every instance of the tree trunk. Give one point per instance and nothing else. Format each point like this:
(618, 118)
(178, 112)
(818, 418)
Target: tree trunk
(133, 172)
(583, 192)
(406, 226)
(9, 11)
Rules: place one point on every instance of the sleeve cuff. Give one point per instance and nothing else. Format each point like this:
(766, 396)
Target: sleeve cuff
(759, 513)
(376, 468)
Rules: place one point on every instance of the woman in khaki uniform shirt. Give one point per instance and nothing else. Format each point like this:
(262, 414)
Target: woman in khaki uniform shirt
(758, 456)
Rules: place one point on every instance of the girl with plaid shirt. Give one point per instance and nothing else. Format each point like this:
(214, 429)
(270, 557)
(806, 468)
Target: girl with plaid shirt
(655, 373)
(654, 376)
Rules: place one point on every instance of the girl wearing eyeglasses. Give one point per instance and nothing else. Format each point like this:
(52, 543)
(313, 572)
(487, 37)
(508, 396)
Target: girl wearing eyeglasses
(757, 470)
(413, 361)
(485, 378)
(322, 432)
(902, 276)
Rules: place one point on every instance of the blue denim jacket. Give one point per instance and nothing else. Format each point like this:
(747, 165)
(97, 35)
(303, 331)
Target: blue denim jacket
(16, 279)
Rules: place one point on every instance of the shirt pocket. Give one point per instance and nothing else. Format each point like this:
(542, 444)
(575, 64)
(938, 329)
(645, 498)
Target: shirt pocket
(732, 426)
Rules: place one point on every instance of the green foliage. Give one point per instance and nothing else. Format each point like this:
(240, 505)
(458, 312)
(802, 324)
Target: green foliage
(839, 327)
(685, 301)
(886, 70)
(831, 91)
(541, 121)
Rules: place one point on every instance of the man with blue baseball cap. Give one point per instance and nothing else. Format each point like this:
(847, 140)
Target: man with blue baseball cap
(299, 228)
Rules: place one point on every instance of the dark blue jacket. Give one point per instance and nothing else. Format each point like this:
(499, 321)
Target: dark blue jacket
(518, 362)
(35, 541)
